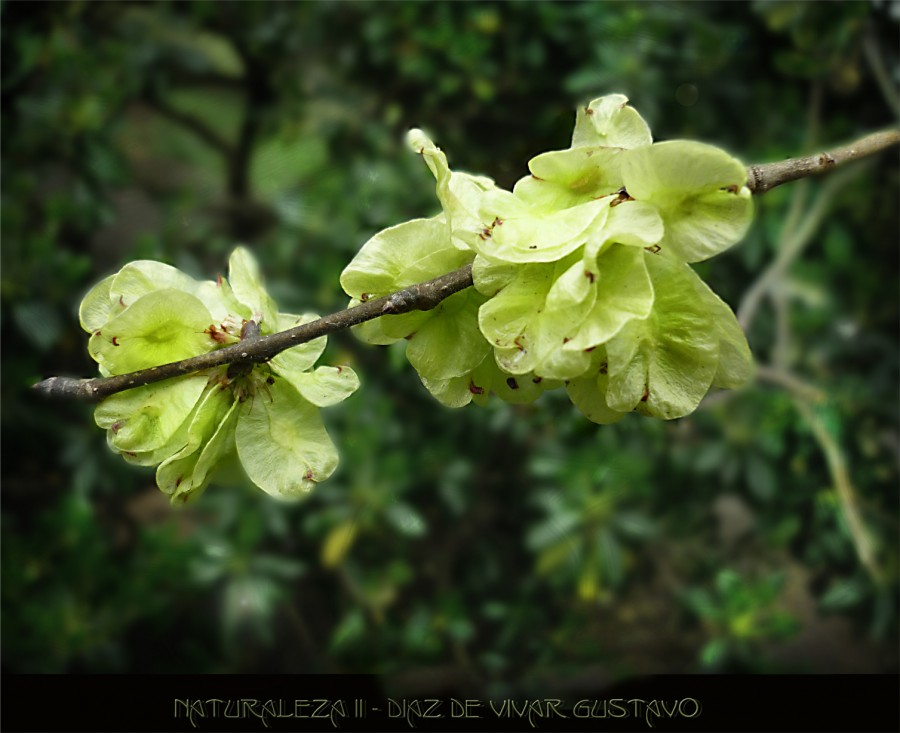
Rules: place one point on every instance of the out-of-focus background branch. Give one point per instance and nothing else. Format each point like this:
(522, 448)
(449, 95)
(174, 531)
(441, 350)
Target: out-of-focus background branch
(516, 548)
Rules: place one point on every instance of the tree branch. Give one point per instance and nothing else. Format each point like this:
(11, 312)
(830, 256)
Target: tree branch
(421, 296)
(835, 459)
(257, 95)
(789, 248)
(875, 59)
(194, 124)
(762, 178)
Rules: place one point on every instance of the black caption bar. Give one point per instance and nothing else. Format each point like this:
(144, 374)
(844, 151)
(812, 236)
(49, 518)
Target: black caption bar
(223, 703)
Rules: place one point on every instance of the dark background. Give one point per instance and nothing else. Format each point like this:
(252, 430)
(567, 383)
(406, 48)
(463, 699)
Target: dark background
(482, 550)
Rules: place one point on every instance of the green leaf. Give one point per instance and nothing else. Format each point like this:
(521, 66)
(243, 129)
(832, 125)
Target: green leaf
(338, 542)
(137, 279)
(564, 178)
(326, 386)
(449, 343)
(211, 456)
(39, 322)
(460, 194)
(699, 191)
(396, 258)
(505, 317)
(406, 519)
(622, 291)
(570, 298)
(509, 230)
(663, 365)
(146, 418)
(729, 583)
(553, 557)
(404, 325)
(843, 594)
(350, 630)
(636, 525)
(160, 327)
(714, 652)
(186, 474)
(588, 394)
(224, 306)
(400, 256)
(736, 366)
(589, 581)
(491, 277)
(611, 122)
(455, 392)
(247, 286)
(530, 320)
(486, 379)
(372, 332)
(97, 307)
(282, 443)
(635, 223)
(519, 389)
(298, 358)
(701, 603)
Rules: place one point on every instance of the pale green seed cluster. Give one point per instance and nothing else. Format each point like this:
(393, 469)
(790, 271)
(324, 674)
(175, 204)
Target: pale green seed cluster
(266, 416)
(582, 280)
(582, 275)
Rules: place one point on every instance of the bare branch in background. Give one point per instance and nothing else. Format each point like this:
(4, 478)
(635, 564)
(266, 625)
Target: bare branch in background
(875, 59)
(843, 486)
(194, 124)
(790, 247)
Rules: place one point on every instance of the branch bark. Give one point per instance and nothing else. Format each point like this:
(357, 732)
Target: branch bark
(762, 178)
(194, 124)
(421, 296)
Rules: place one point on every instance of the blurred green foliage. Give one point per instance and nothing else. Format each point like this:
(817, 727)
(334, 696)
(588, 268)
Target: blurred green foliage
(505, 545)
(738, 615)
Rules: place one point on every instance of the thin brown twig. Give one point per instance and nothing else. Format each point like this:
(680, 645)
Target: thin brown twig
(863, 542)
(765, 177)
(783, 378)
(421, 296)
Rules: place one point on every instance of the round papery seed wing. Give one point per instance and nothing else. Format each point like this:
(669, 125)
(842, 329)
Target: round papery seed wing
(282, 443)
(699, 192)
(160, 327)
(97, 307)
